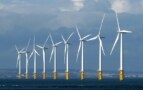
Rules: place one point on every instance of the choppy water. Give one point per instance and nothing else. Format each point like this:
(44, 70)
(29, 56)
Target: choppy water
(73, 84)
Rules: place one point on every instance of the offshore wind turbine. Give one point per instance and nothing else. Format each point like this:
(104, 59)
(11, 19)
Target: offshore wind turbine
(19, 52)
(101, 49)
(34, 53)
(120, 36)
(27, 59)
(54, 54)
(66, 54)
(80, 48)
(44, 57)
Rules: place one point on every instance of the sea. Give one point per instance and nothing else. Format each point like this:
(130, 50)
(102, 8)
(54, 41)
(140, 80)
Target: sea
(132, 81)
(73, 84)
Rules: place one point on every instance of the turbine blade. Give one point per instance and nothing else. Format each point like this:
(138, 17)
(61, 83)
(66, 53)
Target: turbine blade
(46, 41)
(37, 52)
(78, 51)
(100, 41)
(28, 44)
(117, 21)
(51, 54)
(39, 46)
(16, 48)
(58, 43)
(94, 38)
(34, 43)
(78, 32)
(125, 31)
(51, 39)
(70, 36)
(86, 36)
(101, 24)
(30, 55)
(22, 50)
(63, 39)
(117, 38)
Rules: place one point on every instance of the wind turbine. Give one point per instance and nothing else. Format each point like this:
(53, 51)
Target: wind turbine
(27, 59)
(66, 54)
(81, 46)
(44, 57)
(120, 36)
(19, 52)
(101, 49)
(34, 53)
(54, 54)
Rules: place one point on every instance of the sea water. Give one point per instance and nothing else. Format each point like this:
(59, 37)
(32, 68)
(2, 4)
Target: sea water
(132, 81)
(72, 84)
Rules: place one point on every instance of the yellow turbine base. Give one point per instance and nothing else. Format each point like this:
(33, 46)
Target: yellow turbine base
(67, 75)
(99, 75)
(26, 75)
(19, 76)
(35, 75)
(54, 75)
(44, 75)
(82, 75)
(121, 75)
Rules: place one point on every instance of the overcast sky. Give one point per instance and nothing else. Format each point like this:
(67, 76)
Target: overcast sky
(21, 20)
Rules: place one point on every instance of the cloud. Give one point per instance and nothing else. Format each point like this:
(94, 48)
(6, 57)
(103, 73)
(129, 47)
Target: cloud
(7, 6)
(96, 0)
(78, 4)
(127, 6)
(74, 5)
(121, 6)
(65, 10)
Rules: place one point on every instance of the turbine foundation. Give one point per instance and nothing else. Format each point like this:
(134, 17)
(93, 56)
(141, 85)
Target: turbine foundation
(82, 75)
(67, 75)
(35, 75)
(26, 75)
(99, 75)
(121, 75)
(19, 76)
(44, 76)
(54, 75)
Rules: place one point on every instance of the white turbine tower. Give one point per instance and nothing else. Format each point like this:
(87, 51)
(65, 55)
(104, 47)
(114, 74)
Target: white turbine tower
(54, 54)
(27, 59)
(81, 46)
(101, 49)
(19, 52)
(120, 36)
(66, 54)
(44, 57)
(34, 53)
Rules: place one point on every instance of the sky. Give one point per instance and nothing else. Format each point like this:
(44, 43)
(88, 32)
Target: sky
(21, 20)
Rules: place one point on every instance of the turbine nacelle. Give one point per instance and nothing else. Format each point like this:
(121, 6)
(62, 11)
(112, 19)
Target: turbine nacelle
(27, 51)
(41, 47)
(99, 36)
(55, 45)
(68, 43)
(20, 51)
(45, 48)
